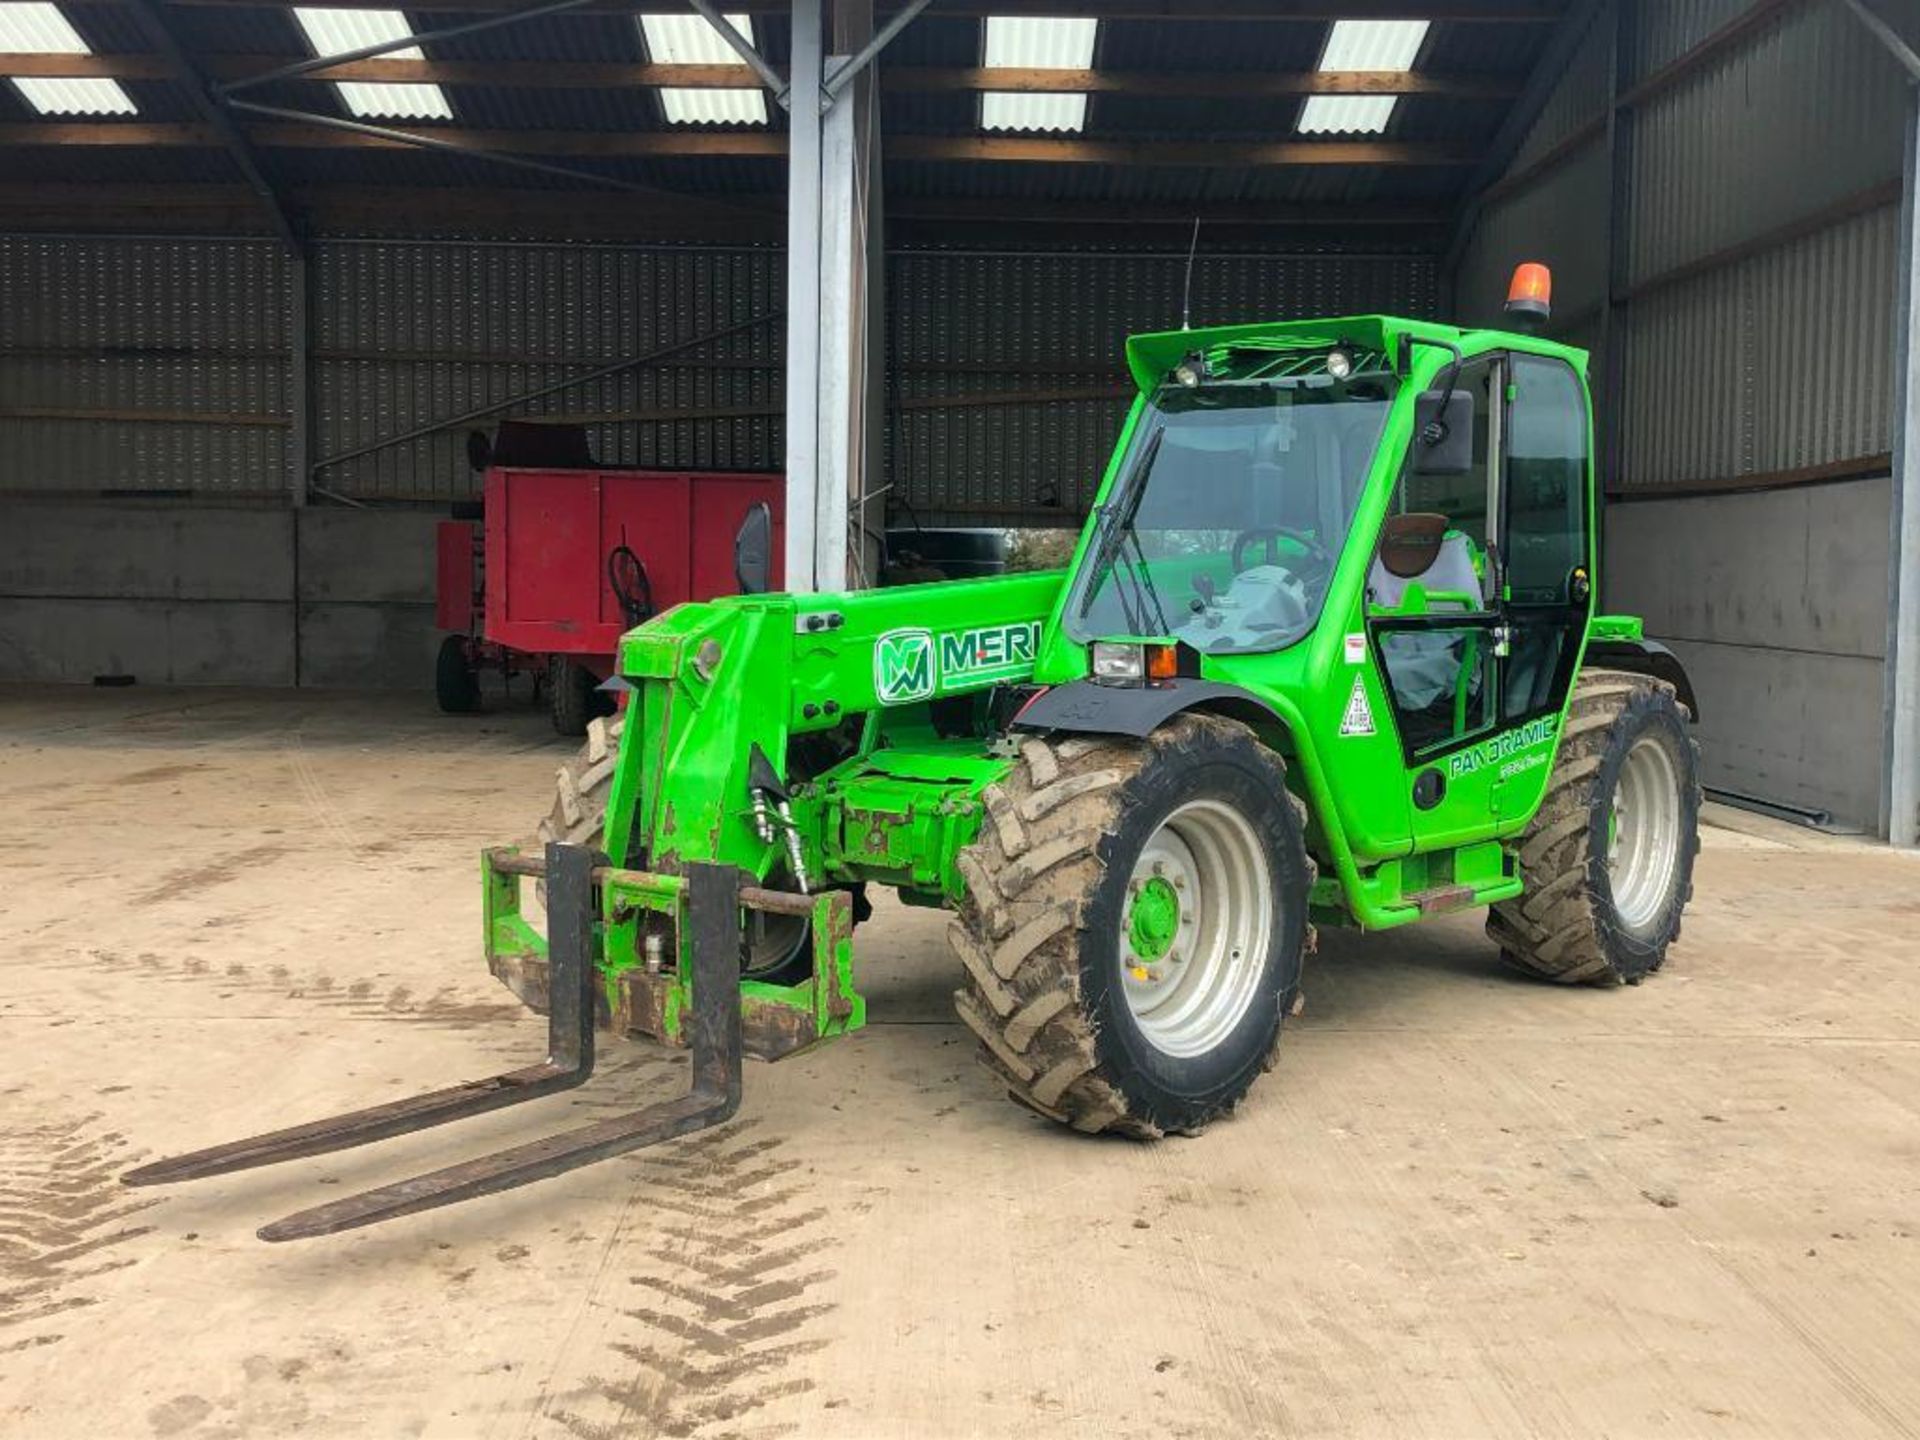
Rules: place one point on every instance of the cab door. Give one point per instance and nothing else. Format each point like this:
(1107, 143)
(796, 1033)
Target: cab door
(1436, 635)
(1477, 653)
(1545, 545)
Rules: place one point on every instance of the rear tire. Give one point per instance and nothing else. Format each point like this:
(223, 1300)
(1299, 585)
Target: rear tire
(455, 685)
(1134, 925)
(1608, 860)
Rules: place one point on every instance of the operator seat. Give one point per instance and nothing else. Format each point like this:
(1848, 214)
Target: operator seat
(1424, 666)
(1452, 570)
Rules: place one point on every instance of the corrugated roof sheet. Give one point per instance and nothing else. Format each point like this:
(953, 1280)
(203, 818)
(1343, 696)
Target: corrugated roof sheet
(691, 40)
(1037, 43)
(1168, 43)
(1386, 46)
(1373, 44)
(338, 31)
(42, 29)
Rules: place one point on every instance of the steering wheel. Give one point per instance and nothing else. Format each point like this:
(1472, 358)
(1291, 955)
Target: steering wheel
(627, 577)
(1271, 535)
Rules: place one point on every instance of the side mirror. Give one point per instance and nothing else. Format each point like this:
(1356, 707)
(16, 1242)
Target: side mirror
(753, 550)
(1443, 433)
(479, 451)
(1409, 544)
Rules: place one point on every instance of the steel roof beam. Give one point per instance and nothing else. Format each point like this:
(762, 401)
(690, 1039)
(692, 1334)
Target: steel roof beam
(187, 74)
(1463, 12)
(578, 75)
(1897, 29)
(297, 68)
(305, 131)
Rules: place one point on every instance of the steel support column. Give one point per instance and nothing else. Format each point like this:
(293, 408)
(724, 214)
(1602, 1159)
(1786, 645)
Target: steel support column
(803, 302)
(299, 378)
(1903, 627)
(842, 334)
(1611, 425)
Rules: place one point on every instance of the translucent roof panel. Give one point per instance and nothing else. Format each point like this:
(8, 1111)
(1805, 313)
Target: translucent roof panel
(1346, 114)
(336, 32)
(1389, 46)
(690, 40)
(41, 29)
(1037, 43)
(1373, 44)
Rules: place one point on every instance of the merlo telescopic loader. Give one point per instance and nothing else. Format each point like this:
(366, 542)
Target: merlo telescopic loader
(1326, 654)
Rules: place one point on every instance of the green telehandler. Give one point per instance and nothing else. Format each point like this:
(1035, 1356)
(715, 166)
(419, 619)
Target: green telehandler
(1326, 654)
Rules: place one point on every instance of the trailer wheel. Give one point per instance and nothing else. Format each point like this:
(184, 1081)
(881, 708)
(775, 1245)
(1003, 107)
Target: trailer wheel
(574, 697)
(1134, 925)
(777, 948)
(1608, 861)
(455, 685)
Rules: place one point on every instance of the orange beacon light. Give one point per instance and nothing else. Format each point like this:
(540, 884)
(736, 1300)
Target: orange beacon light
(1531, 294)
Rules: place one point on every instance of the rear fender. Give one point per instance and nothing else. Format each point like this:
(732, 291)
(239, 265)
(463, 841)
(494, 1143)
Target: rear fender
(1645, 657)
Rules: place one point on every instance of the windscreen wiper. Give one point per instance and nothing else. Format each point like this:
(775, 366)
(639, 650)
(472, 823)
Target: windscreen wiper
(1117, 519)
(1143, 580)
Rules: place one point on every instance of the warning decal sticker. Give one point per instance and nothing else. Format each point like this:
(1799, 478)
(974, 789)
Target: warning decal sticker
(1359, 717)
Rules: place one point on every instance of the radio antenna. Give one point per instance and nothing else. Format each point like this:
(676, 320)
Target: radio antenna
(1186, 290)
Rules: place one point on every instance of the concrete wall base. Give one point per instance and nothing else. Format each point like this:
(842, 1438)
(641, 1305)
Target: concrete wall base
(1776, 602)
(208, 596)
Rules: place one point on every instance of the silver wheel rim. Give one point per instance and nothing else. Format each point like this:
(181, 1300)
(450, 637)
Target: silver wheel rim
(1643, 843)
(1189, 994)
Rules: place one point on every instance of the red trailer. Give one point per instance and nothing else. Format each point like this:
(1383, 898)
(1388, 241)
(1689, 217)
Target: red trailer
(568, 559)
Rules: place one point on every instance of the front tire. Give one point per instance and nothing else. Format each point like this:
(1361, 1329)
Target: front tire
(776, 949)
(1134, 925)
(1608, 860)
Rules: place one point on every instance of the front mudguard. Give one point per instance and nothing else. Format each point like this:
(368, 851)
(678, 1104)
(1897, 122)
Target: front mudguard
(1088, 708)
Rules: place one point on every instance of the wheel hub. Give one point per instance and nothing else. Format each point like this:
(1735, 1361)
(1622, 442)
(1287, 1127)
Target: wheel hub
(1154, 919)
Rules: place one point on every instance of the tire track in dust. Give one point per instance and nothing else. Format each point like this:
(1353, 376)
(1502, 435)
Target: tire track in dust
(445, 1006)
(61, 1207)
(720, 1316)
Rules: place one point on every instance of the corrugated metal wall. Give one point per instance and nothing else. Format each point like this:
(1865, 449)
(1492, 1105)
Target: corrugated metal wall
(143, 365)
(986, 325)
(1759, 232)
(406, 334)
(1804, 116)
(1754, 305)
(161, 365)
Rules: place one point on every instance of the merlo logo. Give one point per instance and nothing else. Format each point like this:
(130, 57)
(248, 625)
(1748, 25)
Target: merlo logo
(903, 666)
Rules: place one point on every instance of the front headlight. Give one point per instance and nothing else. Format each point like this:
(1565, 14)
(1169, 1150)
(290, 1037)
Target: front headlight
(1116, 664)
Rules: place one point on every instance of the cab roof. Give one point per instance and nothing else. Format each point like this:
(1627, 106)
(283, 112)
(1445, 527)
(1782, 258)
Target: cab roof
(1150, 356)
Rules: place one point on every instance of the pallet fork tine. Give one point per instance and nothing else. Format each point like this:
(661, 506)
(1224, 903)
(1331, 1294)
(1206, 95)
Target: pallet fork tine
(712, 918)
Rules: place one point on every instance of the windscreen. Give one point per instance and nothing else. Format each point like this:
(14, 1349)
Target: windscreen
(1229, 512)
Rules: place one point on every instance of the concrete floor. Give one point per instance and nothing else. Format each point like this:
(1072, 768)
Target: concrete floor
(1464, 1205)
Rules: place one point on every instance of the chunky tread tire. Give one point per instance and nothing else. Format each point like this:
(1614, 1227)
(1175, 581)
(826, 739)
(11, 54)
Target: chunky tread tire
(1564, 928)
(574, 697)
(1032, 874)
(582, 784)
(579, 813)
